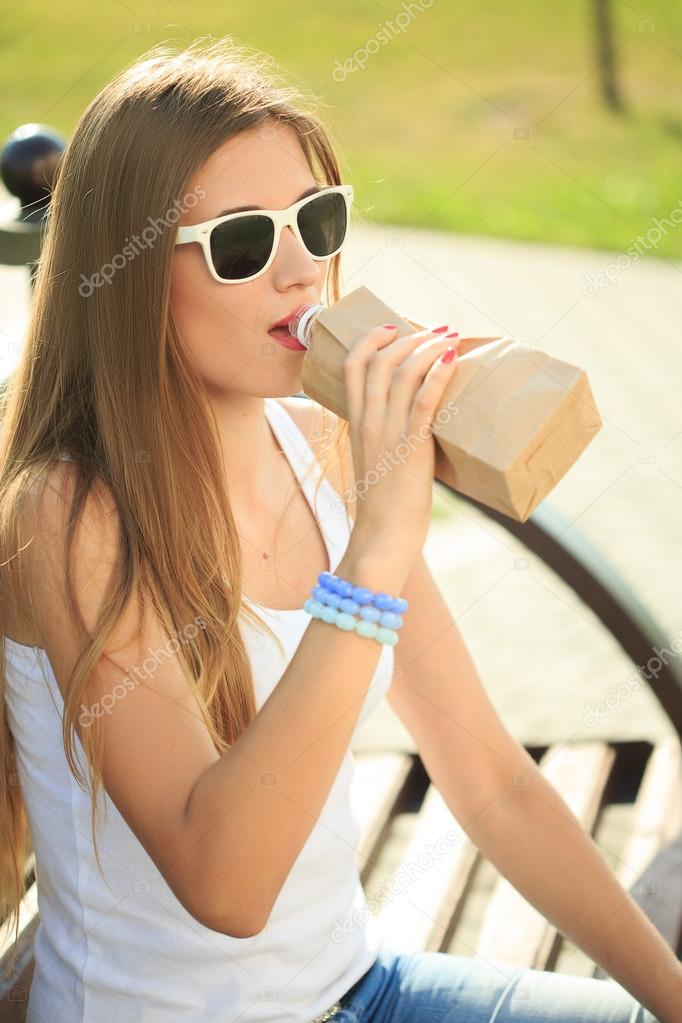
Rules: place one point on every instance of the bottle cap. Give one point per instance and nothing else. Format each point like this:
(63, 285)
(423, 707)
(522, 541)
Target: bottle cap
(300, 324)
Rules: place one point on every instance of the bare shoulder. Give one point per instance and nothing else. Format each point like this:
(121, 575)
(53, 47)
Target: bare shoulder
(47, 506)
(44, 521)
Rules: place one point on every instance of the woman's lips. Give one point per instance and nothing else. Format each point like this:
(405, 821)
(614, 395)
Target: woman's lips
(282, 336)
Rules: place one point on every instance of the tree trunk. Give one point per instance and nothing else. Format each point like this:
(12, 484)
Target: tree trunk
(605, 55)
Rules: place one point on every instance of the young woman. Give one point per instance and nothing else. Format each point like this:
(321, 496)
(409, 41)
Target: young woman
(178, 713)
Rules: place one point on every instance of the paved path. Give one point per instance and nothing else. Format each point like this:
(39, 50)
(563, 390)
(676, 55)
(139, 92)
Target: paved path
(540, 654)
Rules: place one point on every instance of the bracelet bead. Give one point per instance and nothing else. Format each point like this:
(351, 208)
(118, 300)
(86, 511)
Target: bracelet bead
(337, 601)
(361, 594)
(388, 636)
(370, 613)
(346, 621)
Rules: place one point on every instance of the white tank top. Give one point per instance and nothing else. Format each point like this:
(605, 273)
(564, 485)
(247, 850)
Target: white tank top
(127, 950)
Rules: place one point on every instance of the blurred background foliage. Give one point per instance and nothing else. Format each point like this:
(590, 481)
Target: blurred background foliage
(497, 118)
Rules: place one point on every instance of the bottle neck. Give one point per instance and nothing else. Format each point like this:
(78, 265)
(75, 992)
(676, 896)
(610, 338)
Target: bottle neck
(301, 326)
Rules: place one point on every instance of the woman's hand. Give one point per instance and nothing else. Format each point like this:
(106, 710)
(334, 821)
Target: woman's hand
(393, 389)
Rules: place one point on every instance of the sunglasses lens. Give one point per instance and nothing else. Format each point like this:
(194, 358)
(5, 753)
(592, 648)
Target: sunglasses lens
(322, 223)
(241, 247)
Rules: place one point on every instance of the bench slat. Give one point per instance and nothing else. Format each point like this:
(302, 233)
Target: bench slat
(378, 780)
(429, 888)
(14, 988)
(513, 931)
(651, 861)
(656, 813)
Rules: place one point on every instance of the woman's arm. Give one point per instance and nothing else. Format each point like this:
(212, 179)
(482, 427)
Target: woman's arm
(526, 830)
(224, 830)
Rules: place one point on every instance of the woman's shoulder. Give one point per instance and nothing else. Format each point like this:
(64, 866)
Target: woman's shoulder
(43, 518)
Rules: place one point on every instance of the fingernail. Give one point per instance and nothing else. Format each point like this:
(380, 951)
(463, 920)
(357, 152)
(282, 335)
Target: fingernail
(388, 326)
(448, 356)
(440, 330)
(455, 333)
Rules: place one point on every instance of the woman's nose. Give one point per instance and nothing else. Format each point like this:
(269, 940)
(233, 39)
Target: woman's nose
(293, 259)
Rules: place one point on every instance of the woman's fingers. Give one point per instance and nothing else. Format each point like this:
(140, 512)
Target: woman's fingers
(411, 374)
(430, 394)
(368, 366)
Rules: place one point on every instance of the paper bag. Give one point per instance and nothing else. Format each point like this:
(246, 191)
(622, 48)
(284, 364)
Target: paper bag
(510, 424)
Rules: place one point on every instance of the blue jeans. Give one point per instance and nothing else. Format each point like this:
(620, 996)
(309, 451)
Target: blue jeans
(435, 987)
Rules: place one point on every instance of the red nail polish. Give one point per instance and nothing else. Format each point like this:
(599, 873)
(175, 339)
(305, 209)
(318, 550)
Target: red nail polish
(448, 356)
(440, 330)
(388, 326)
(455, 333)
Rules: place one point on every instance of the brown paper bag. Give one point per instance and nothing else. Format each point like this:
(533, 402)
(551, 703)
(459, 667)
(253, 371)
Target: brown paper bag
(510, 424)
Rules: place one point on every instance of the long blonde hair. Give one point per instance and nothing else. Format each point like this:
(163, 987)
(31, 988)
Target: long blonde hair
(104, 379)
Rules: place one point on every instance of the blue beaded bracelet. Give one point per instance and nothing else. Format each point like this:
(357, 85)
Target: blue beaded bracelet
(337, 601)
(361, 594)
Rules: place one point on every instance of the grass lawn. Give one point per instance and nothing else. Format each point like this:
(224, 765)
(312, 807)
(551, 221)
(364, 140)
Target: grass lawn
(480, 118)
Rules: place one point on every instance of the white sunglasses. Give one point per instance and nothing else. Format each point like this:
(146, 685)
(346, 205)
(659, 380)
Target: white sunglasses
(241, 246)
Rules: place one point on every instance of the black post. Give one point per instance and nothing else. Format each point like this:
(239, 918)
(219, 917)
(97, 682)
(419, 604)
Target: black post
(28, 164)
